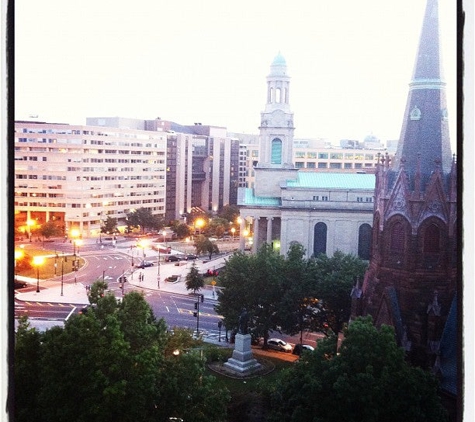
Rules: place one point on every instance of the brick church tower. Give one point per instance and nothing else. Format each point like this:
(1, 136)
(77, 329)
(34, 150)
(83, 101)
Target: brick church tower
(411, 282)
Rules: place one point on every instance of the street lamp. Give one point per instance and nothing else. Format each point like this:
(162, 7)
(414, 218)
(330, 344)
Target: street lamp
(18, 255)
(37, 262)
(199, 223)
(233, 230)
(30, 223)
(62, 273)
(158, 268)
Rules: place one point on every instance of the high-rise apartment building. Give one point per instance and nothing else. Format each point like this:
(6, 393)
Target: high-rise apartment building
(80, 175)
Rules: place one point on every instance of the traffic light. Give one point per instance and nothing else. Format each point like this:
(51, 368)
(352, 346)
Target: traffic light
(196, 305)
(195, 314)
(202, 298)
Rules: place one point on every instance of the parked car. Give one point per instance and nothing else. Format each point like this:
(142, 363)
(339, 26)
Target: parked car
(299, 348)
(144, 264)
(20, 284)
(279, 344)
(173, 258)
(190, 257)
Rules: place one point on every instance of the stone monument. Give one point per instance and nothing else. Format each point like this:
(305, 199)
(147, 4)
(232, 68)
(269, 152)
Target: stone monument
(242, 361)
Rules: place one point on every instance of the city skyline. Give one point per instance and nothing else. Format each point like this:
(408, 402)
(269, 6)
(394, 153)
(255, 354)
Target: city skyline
(207, 63)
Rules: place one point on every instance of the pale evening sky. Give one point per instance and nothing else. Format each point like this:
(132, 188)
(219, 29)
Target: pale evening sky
(190, 61)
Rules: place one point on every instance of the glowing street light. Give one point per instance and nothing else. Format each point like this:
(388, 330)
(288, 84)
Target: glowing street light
(37, 262)
(233, 230)
(199, 223)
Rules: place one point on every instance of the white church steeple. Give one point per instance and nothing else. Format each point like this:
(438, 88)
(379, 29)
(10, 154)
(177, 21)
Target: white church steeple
(277, 126)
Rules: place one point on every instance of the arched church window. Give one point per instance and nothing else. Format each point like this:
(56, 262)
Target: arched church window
(271, 94)
(397, 237)
(364, 241)
(432, 239)
(278, 95)
(276, 151)
(320, 239)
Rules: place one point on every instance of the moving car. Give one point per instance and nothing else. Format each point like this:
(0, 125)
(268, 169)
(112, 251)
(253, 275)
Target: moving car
(144, 264)
(190, 257)
(299, 348)
(279, 344)
(173, 258)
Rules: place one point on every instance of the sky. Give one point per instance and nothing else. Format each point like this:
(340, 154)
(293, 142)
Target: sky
(191, 61)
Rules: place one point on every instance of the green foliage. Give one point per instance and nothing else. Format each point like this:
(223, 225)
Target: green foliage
(182, 230)
(230, 213)
(111, 364)
(205, 246)
(194, 280)
(50, 229)
(291, 294)
(144, 219)
(27, 380)
(97, 291)
(367, 381)
(216, 227)
(253, 282)
(110, 225)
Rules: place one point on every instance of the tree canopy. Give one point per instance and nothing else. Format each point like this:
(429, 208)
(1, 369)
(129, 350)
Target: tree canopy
(144, 219)
(289, 294)
(368, 380)
(111, 363)
(204, 245)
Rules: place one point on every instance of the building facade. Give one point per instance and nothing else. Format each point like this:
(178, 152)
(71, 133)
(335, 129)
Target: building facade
(323, 211)
(80, 175)
(412, 279)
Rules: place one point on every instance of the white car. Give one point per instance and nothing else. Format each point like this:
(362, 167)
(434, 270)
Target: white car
(279, 344)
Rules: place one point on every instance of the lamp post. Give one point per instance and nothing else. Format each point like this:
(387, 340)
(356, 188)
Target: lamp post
(30, 223)
(158, 268)
(62, 273)
(37, 262)
(233, 230)
(18, 255)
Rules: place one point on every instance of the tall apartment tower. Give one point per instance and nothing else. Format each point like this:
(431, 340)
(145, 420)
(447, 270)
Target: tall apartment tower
(411, 282)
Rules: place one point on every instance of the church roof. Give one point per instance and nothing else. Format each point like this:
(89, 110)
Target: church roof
(425, 131)
(250, 199)
(333, 180)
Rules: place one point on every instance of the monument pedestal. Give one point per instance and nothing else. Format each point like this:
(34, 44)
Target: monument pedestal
(242, 360)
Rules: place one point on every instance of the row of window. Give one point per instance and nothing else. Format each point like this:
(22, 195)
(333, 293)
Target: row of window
(334, 155)
(312, 165)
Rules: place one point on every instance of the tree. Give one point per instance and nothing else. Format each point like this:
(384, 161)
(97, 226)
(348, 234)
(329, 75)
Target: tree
(298, 305)
(144, 219)
(110, 364)
(335, 276)
(216, 227)
(367, 381)
(50, 229)
(230, 213)
(110, 225)
(205, 245)
(182, 230)
(194, 280)
(253, 282)
(27, 382)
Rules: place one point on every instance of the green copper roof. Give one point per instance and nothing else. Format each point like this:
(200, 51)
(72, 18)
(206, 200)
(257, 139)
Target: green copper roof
(333, 180)
(250, 199)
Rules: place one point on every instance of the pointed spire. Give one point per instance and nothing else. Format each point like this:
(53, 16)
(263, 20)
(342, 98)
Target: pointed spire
(425, 128)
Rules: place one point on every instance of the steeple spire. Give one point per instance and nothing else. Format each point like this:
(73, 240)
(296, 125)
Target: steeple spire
(425, 130)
